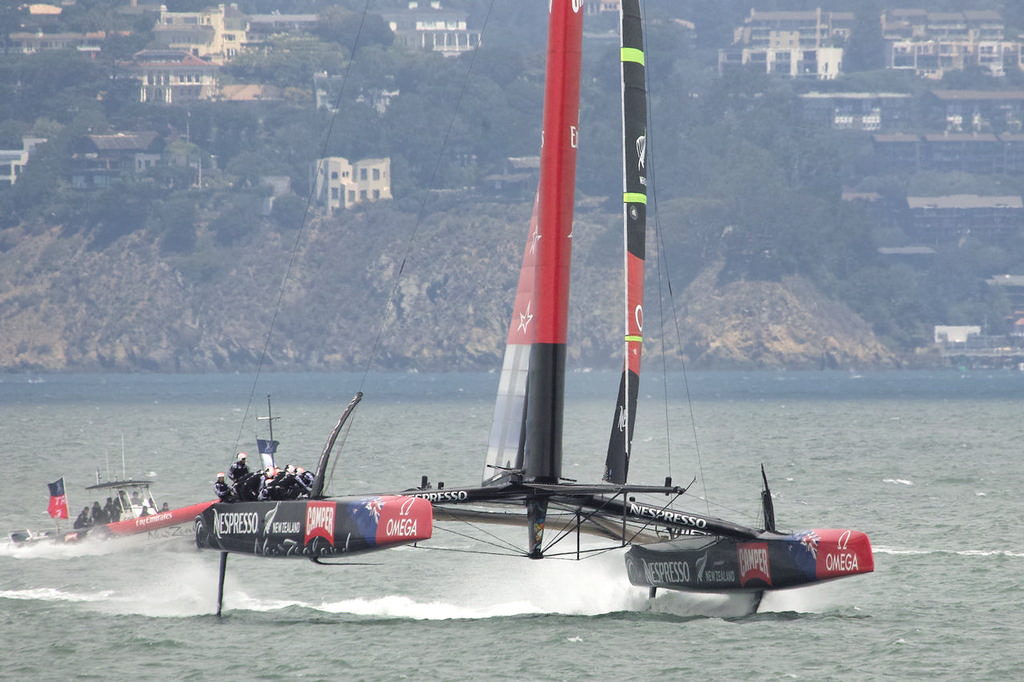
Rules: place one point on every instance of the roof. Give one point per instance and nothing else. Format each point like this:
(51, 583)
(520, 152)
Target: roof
(119, 484)
(978, 94)
(250, 93)
(896, 137)
(39, 9)
(960, 137)
(1006, 281)
(862, 196)
(855, 95)
(906, 250)
(124, 141)
(171, 57)
(966, 201)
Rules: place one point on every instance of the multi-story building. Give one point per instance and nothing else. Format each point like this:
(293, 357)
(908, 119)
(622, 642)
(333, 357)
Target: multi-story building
(215, 33)
(946, 219)
(340, 184)
(932, 43)
(99, 161)
(426, 26)
(979, 110)
(171, 76)
(869, 111)
(791, 44)
(12, 161)
(31, 43)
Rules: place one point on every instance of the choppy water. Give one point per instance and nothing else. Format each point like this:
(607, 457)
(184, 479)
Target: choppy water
(927, 464)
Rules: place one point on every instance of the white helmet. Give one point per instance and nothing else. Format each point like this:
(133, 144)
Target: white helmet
(241, 455)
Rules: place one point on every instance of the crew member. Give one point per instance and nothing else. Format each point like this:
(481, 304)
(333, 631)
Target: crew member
(239, 469)
(83, 519)
(98, 517)
(223, 490)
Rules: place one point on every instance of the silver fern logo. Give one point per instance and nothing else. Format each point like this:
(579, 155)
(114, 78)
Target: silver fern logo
(641, 158)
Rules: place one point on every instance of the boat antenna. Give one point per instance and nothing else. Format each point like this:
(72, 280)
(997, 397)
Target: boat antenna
(124, 466)
(269, 419)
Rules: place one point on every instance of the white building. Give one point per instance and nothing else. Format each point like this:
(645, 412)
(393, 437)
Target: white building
(340, 184)
(425, 26)
(13, 160)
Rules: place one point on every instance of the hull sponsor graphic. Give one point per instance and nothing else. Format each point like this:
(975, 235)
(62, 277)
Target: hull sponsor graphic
(320, 522)
(403, 519)
(755, 569)
(232, 523)
(843, 552)
(715, 571)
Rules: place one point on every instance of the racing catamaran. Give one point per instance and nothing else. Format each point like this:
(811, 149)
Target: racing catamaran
(522, 480)
(314, 527)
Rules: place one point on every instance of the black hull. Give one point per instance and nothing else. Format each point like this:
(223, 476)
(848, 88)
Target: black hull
(314, 529)
(768, 562)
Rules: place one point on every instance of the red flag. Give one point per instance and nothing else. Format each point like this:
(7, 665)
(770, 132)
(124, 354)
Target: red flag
(58, 500)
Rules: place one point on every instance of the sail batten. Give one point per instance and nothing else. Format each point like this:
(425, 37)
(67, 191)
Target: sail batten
(634, 212)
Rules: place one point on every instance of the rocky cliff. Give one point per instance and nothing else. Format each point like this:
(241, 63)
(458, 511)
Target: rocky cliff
(377, 286)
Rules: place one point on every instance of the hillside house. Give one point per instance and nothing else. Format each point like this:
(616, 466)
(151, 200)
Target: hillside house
(946, 219)
(12, 161)
(801, 44)
(215, 33)
(99, 161)
(340, 184)
(426, 26)
(171, 76)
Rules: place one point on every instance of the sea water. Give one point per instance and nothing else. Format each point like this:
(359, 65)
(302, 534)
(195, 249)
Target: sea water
(927, 464)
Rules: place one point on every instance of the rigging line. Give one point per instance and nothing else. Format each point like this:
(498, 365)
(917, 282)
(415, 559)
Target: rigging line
(389, 305)
(658, 244)
(665, 278)
(467, 551)
(495, 541)
(325, 140)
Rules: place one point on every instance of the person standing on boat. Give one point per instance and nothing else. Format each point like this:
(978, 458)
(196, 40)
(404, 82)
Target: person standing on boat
(223, 490)
(98, 517)
(239, 470)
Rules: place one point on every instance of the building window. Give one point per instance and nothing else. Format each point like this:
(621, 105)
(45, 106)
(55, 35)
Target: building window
(334, 193)
(376, 173)
(362, 174)
(362, 195)
(351, 195)
(334, 175)
(376, 194)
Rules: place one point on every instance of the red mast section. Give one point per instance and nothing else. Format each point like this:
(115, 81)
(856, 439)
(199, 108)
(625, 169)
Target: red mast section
(546, 381)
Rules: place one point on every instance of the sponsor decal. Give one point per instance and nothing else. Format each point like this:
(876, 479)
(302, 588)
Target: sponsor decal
(658, 514)
(401, 528)
(235, 523)
(320, 521)
(665, 572)
(716, 575)
(443, 495)
(143, 521)
(753, 558)
(841, 562)
(641, 163)
(809, 540)
(284, 527)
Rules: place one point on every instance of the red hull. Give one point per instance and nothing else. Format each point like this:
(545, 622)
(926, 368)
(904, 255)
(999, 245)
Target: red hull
(144, 524)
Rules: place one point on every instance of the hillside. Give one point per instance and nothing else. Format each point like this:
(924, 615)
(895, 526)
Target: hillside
(65, 306)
